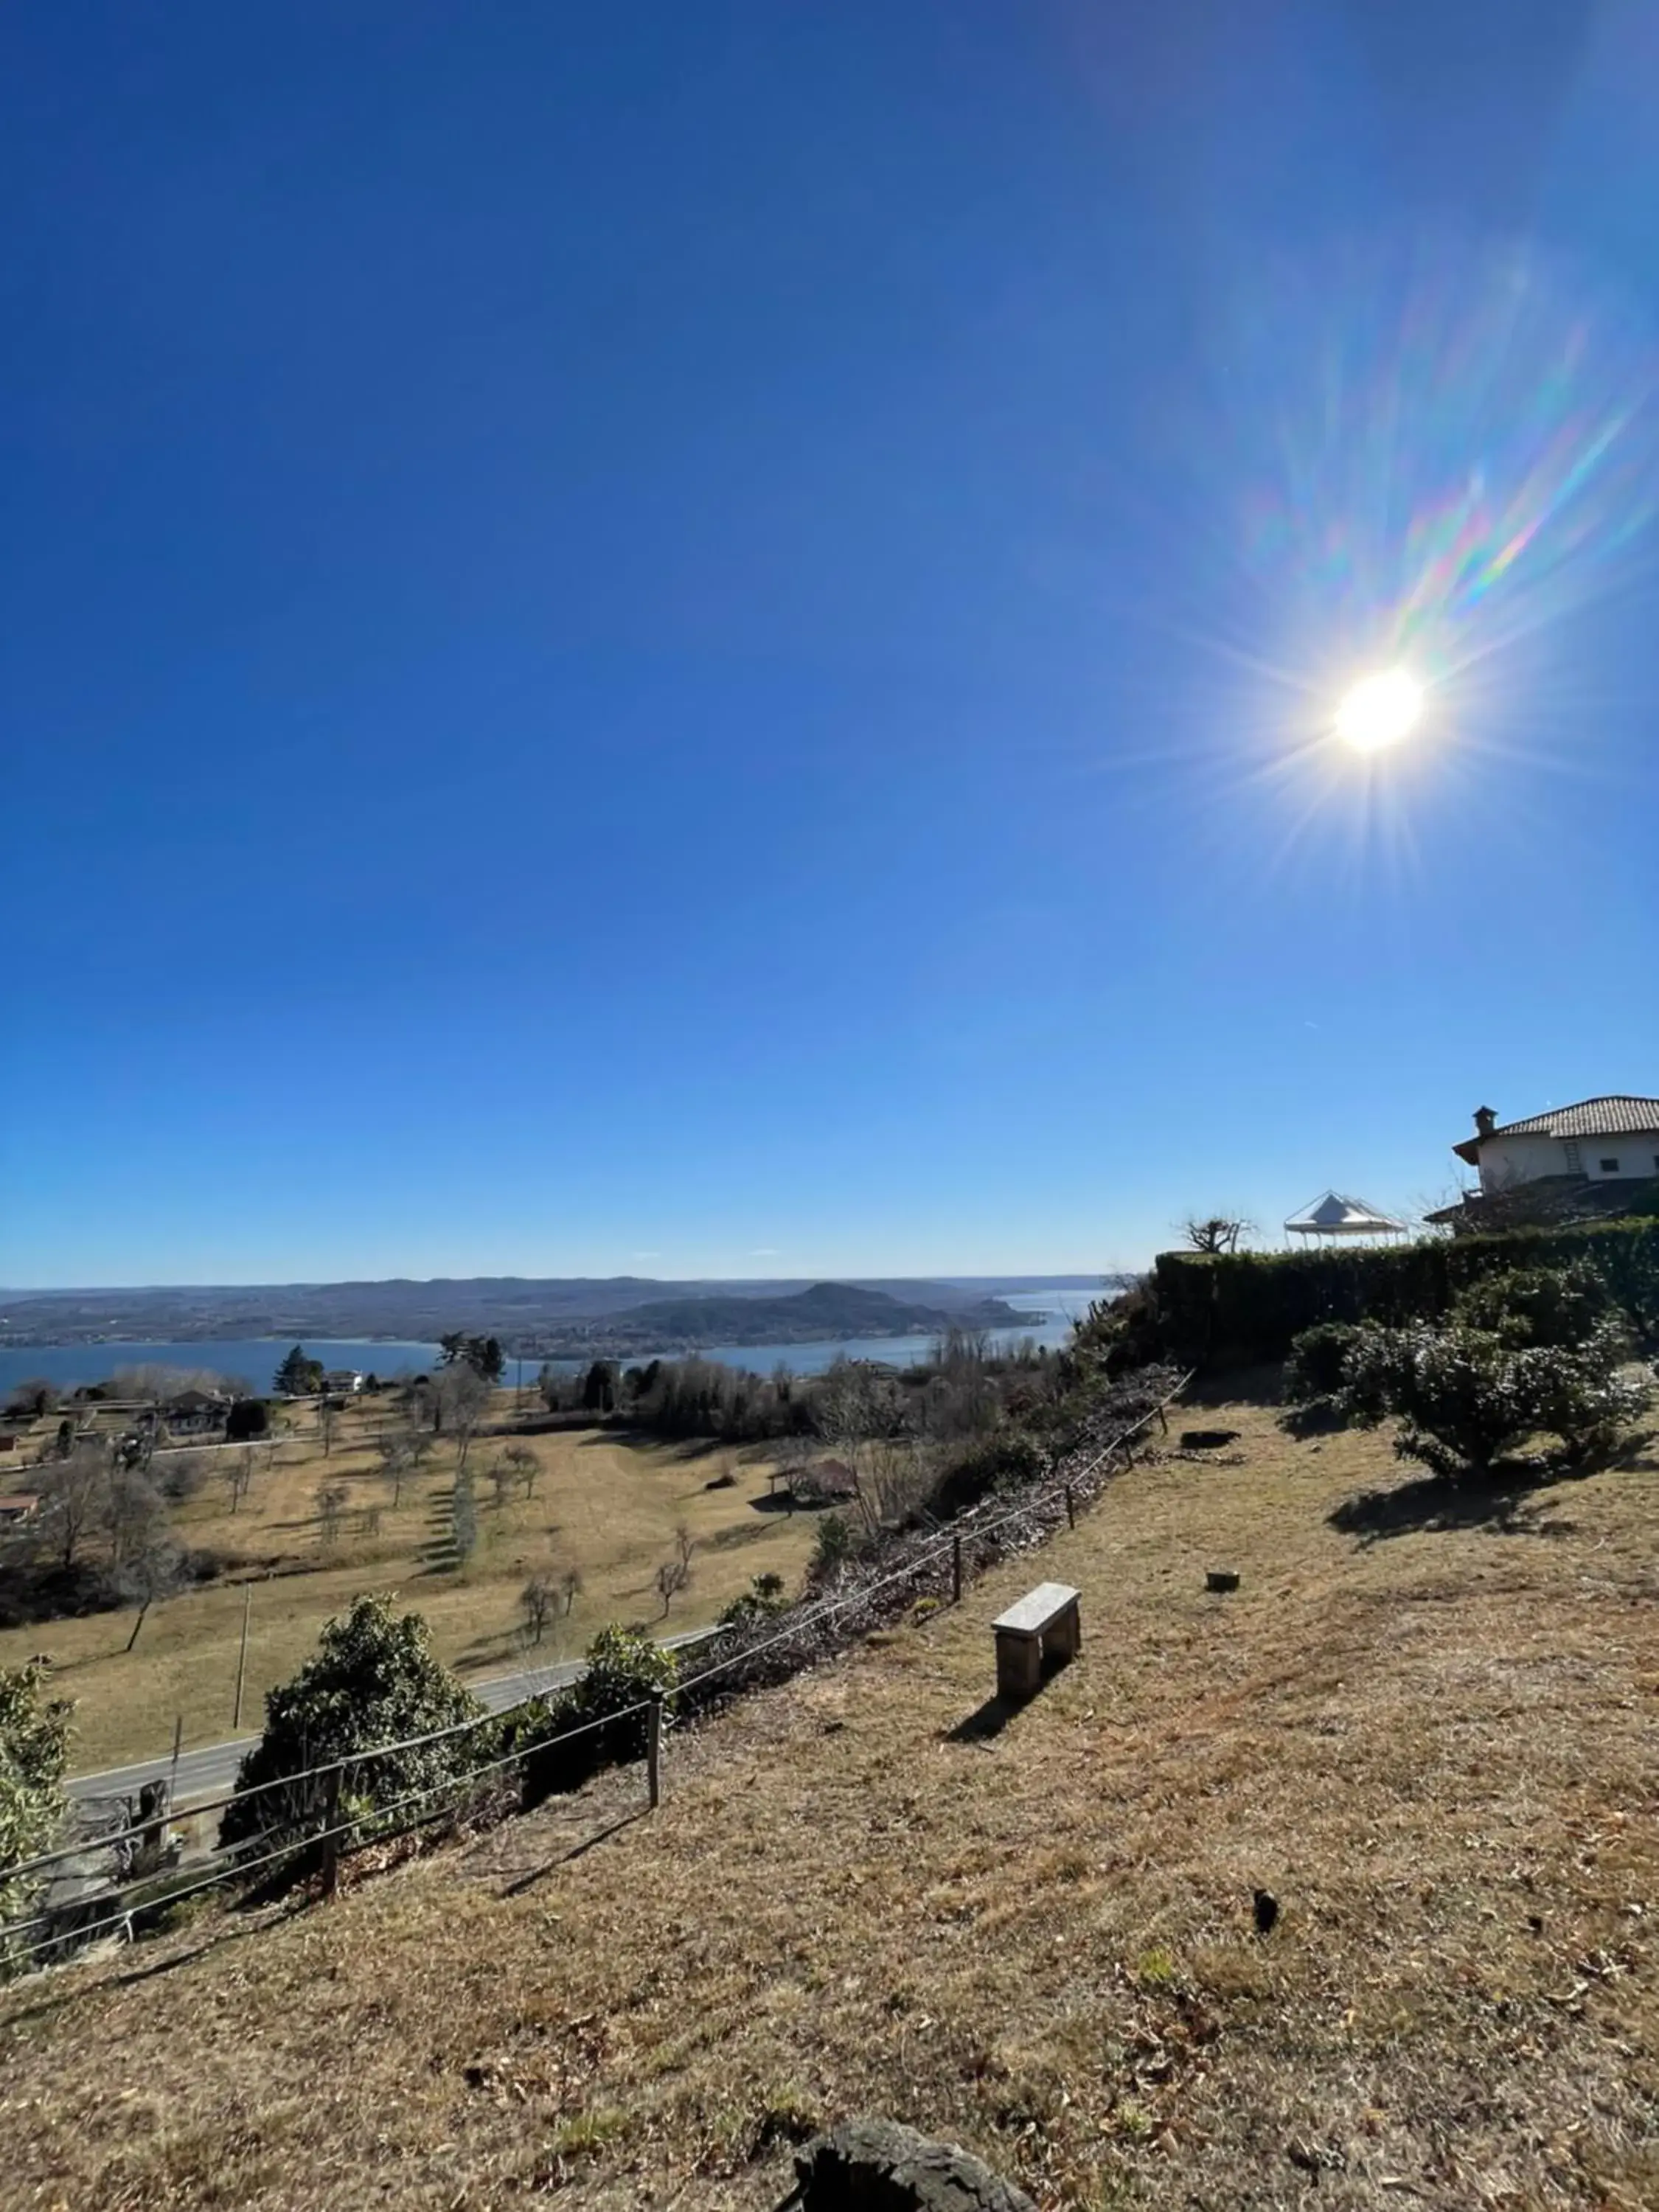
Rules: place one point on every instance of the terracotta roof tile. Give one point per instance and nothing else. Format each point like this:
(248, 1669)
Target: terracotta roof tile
(1591, 1117)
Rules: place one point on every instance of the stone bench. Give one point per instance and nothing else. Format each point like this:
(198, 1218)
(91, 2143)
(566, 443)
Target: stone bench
(1043, 1628)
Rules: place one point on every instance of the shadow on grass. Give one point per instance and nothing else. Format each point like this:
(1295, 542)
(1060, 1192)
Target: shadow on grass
(220, 1936)
(987, 1720)
(563, 1858)
(1504, 1503)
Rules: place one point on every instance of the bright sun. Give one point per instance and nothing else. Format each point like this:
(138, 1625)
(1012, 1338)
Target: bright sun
(1379, 711)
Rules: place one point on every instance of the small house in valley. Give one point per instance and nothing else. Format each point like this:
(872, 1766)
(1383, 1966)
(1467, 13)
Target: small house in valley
(195, 1413)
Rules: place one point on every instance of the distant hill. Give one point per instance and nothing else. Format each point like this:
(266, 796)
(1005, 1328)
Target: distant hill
(522, 1310)
(821, 1314)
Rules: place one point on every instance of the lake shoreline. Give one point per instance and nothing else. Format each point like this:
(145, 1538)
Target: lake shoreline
(73, 1364)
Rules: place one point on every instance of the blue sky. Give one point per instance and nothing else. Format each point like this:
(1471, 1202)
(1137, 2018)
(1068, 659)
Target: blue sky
(702, 640)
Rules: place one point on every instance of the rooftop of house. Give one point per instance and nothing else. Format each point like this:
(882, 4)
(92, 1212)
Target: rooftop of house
(1616, 1116)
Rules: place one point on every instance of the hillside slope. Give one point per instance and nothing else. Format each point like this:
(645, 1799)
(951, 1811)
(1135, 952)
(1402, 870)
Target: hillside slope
(1434, 1748)
(822, 1312)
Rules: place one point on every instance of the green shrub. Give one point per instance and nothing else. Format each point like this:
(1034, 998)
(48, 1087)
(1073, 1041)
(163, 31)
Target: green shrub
(1582, 1394)
(1316, 1368)
(836, 1542)
(33, 1752)
(374, 1680)
(998, 1463)
(763, 1597)
(1466, 1400)
(624, 1668)
(248, 1418)
(1561, 1306)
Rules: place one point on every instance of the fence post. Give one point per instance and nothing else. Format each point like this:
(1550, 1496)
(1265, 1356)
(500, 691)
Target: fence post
(331, 1840)
(1071, 1508)
(956, 1569)
(653, 1750)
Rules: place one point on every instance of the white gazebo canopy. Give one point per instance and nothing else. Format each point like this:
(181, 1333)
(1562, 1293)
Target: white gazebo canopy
(1337, 1216)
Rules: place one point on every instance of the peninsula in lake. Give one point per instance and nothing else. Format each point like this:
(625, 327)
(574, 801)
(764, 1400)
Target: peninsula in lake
(531, 1316)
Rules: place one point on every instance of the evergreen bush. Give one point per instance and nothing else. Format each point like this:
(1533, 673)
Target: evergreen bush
(374, 1680)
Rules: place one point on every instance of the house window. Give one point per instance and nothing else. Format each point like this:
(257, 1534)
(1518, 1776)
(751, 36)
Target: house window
(1609, 1167)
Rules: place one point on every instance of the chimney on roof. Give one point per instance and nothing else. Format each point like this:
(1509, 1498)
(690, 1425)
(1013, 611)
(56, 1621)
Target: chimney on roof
(1485, 1120)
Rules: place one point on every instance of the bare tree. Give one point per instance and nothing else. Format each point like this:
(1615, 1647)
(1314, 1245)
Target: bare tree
(462, 1396)
(570, 1586)
(537, 1599)
(524, 1465)
(327, 1408)
(238, 1474)
(503, 1477)
(1215, 1232)
(893, 1475)
(331, 1505)
(370, 1524)
(153, 1571)
(403, 1452)
(672, 1576)
(73, 1502)
(684, 1543)
(134, 1518)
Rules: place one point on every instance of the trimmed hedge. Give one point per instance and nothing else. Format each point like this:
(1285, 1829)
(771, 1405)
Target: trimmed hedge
(1233, 1309)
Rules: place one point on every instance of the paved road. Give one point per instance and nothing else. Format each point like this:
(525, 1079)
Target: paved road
(211, 1771)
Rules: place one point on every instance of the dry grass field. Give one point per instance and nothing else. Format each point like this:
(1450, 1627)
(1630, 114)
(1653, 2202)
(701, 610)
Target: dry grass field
(865, 1891)
(604, 1506)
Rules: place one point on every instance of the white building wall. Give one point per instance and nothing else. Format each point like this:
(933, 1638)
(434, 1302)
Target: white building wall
(1506, 1160)
(1636, 1155)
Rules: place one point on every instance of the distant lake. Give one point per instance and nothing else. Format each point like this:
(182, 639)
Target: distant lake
(254, 1359)
(1062, 1309)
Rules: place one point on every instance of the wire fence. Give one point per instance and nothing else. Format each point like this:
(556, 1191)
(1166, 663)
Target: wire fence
(318, 1790)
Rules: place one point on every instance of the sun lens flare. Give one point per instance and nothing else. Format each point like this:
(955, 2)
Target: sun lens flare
(1379, 711)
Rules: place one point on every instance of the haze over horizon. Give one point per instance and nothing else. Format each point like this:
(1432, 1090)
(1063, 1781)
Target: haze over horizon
(706, 643)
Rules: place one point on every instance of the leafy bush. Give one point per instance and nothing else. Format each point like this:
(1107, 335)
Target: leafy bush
(625, 1666)
(836, 1542)
(1581, 1393)
(1558, 1306)
(1316, 1368)
(247, 1419)
(374, 1680)
(1466, 1400)
(1333, 1378)
(763, 1597)
(998, 1464)
(33, 1751)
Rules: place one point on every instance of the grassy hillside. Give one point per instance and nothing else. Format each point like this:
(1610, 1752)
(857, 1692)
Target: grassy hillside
(1435, 1747)
(605, 1506)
